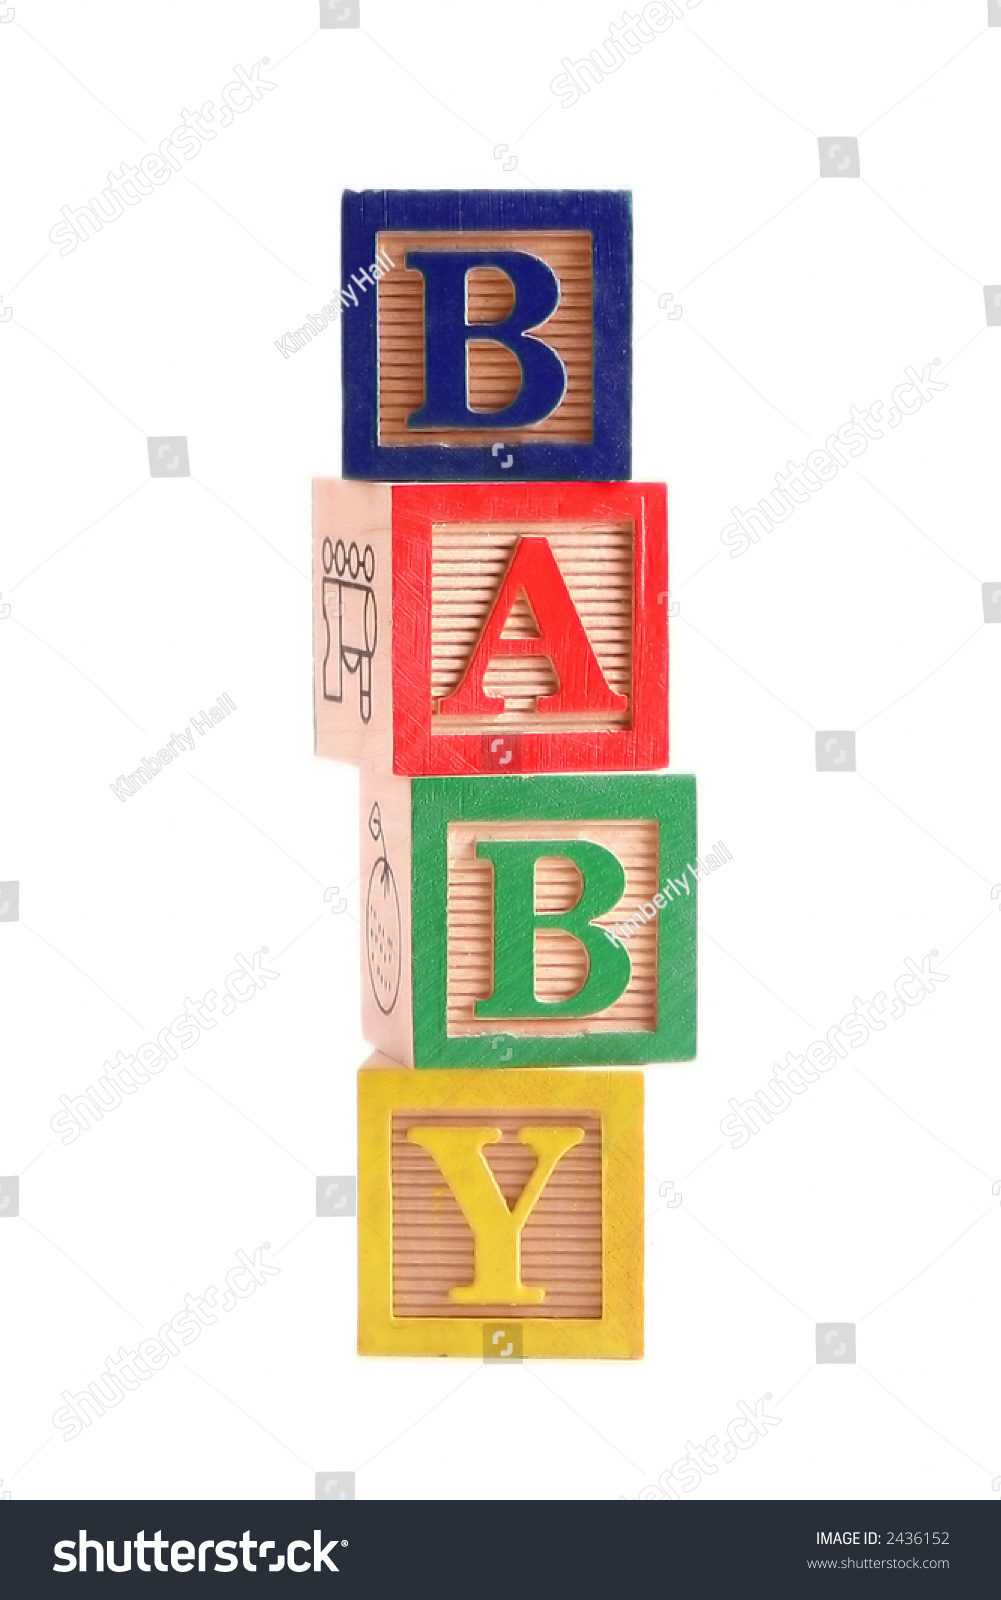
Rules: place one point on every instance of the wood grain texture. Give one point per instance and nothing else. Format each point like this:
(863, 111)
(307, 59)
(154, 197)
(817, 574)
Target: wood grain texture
(352, 621)
(638, 1003)
(468, 562)
(389, 650)
(494, 373)
(433, 1246)
(582, 431)
(455, 553)
(582, 1244)
(561, 963)
(447, 900)
(386, 914)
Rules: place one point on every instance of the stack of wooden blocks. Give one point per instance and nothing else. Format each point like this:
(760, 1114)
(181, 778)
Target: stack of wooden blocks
(491, 649)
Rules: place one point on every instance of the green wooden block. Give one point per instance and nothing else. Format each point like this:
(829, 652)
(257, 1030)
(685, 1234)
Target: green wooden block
(530, 921)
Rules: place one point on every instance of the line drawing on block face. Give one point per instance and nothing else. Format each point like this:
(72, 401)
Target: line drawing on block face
(383, 924)
(351, 620)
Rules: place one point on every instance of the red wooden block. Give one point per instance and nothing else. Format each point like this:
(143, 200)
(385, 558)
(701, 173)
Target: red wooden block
(475, 628)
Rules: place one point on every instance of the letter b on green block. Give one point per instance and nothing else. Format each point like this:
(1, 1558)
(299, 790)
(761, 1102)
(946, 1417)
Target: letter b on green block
(516, 921)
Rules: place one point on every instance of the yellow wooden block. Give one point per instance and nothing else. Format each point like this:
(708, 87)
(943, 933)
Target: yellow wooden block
(500, 1214)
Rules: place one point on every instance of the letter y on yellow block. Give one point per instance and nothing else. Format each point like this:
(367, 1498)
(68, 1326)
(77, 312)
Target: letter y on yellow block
(497, 1228)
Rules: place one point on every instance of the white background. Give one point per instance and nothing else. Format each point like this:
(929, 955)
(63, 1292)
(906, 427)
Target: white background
(135, 602)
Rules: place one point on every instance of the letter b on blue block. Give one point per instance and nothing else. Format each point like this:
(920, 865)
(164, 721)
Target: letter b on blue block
(448, 334)
(495, 342)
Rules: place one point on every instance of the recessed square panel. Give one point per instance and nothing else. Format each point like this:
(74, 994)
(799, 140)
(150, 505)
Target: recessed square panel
(469, 564)
(493, 372)
(561, 961)
(434, 1246)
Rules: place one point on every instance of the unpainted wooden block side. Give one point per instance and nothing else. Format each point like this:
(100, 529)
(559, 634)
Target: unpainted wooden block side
(353, 621)
(388, 936)
(378, 1062)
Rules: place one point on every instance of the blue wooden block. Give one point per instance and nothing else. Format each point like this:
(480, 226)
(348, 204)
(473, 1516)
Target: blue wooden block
(486, 334)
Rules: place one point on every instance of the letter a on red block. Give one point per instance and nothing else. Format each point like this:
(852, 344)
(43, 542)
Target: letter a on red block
(534, 572)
